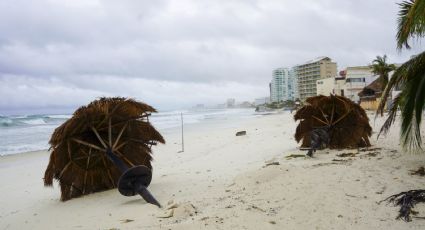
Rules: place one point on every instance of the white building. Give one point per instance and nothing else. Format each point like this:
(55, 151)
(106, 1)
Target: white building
(331, 85)
(283, 85)
(356, 78)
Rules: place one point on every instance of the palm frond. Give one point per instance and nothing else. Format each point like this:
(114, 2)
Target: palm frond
(411, 101)
(411, 22)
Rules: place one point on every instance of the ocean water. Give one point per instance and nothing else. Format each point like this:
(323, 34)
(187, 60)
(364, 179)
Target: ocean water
(20, 134)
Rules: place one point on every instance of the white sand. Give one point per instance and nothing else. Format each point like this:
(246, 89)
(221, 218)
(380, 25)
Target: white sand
(220, 182)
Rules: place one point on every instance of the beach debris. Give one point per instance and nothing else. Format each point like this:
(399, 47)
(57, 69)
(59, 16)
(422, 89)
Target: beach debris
(345, 122)
(271, 163)
(346, 155)
(256, 208)
(178, 210)
(104, 145)
(241, 133)
(126, 221)
(166, 214)
(420, 171)
(407, 201)
(294, 156)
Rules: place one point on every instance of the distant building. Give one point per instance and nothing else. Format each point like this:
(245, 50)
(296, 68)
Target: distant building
(283, 85)
(330, 85)
(262, 100)
(325, 86)
(231, 102)
(308, 73)
(370, 96)
(246, 104)
(199, 106)
(356, 78)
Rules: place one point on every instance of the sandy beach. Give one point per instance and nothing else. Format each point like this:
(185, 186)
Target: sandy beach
(223, 181)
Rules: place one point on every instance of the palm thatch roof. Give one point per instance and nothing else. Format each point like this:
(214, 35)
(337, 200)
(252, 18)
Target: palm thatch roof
(374, 89)
(348, 122)
(77, 159)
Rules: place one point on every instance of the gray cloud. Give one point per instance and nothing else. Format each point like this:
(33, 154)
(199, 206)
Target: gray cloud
(86, 47)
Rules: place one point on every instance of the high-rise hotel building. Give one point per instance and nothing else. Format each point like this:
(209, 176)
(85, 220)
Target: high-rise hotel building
(308, 73)
(283, 86)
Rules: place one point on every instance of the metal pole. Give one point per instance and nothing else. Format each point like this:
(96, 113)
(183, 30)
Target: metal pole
(181, 115)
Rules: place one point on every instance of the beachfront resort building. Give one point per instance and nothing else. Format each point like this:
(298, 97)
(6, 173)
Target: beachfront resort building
(357, 78)
(283, 86)
(330, 85)
(308, 73)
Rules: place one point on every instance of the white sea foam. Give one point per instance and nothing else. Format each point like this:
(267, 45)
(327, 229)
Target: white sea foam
(31, 133)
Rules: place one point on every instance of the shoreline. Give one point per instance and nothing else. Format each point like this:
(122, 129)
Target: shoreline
(222, 181)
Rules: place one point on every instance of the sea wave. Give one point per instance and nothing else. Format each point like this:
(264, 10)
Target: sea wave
(32, 132)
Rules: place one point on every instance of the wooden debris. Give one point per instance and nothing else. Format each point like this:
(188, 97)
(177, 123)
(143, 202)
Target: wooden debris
(346, 155)
(241, 133)
(420, 171)
(294, 156)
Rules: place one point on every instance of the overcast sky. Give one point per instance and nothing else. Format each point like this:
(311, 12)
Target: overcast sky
(56, 55)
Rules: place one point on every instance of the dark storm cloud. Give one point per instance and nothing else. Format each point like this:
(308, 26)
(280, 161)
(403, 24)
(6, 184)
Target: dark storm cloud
(225, 46)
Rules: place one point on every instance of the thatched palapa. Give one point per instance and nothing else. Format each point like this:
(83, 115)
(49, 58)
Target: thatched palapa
(347, 122)
(78, 160)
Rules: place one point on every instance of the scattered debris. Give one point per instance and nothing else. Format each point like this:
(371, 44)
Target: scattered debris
(272, 222)
(256, 208)
(339, 160)
(126, 221)
(420, 171)
(294, 156)
(371, 149)
(166, 214)
(346, 155)
(373, 154)
(382, 190)
(241, 133)
(407, 201)
(271, 163)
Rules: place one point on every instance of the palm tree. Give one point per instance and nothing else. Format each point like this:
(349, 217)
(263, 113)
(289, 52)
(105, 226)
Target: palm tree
(381, 68)
(410, 75)
(411, 100)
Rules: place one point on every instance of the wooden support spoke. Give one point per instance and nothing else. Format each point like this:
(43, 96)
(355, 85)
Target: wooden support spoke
(69, 151)
(110, 132)
(333, 112)
(124, 158)
(99, 137)
(121, 145)
(319, 120)
(324, 116)
(89, 144)
(342, 117)
(64, 169)
(119, 135)
(108, 171)
(85, 173)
